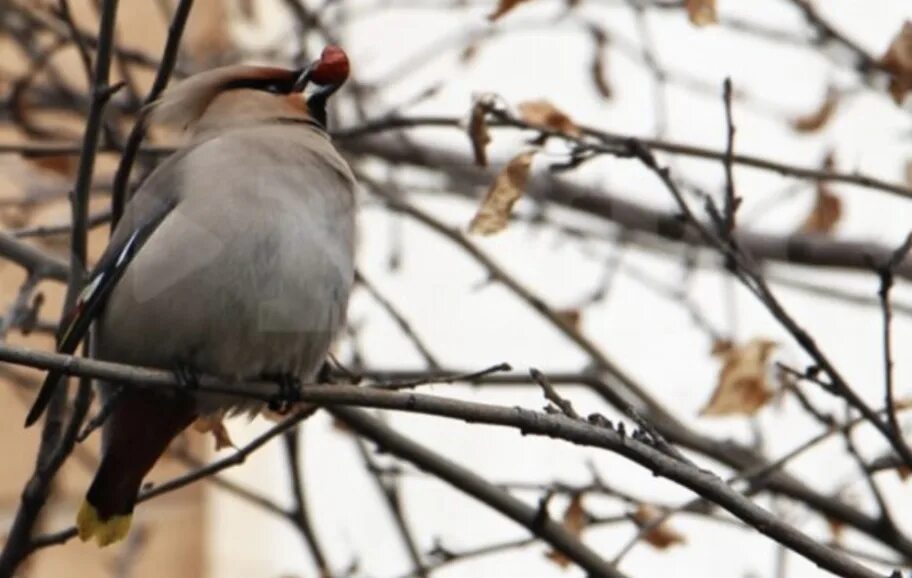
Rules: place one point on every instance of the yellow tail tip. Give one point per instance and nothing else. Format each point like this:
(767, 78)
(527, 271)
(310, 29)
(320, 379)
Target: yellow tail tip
(106, 531)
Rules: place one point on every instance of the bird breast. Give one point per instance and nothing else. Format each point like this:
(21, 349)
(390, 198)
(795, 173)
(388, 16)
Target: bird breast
(250, 273)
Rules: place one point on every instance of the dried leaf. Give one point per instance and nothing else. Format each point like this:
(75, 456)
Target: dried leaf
(341, 426)
(897, 60)
(721, 346)
(660, 537)
(215, 425)
(543, 114)
(825, 213)
(836, 529)
(478, 130)
(575, 519)
(817, 119)
(702, 12)
(508, 187)
(571, 317)
(62, 165)
(600, 64)
(503, 7)
(743, 386)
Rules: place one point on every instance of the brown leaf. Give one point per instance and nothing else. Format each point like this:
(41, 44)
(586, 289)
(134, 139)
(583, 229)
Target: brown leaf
(660, 537)
(478, 130)
(341, 426)
(743, 386)
(571, 317)
(903, 472)
(215, 425)
(702, 12)
(721, 346)
(897, 60)
(503, 7)
(543, 114)
(817, 119)
(575, 519)
(600, 64)
(508, 187)
(63, 165)
(836, 528)
(825, 213)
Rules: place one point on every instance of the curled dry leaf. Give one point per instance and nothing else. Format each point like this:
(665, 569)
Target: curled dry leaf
(743, 386)
(660, 537)
(215, 425)
(543, 114)
(508, 187)
(478, 129)
(575, 519)
(897, 60)
(503, 7)
(825, 213)
(702, 12)
(818, 119)
(600, 63)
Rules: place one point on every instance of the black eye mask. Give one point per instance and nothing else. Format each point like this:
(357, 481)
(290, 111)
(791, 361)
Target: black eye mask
(271, 85)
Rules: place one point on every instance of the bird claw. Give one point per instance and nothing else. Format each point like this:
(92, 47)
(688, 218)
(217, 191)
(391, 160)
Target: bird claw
(187, 376)
(325, 373)
(289, 385)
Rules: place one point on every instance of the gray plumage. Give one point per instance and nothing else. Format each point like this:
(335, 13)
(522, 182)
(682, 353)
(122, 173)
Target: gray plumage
(234, 258)
(250, 272)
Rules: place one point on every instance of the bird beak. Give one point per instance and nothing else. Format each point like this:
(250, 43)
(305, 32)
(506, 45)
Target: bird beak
(301, 83)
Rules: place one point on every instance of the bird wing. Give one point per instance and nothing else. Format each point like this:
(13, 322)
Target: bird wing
(152, 203)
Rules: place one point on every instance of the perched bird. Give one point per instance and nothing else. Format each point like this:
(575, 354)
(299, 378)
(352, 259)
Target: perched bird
(234, 258)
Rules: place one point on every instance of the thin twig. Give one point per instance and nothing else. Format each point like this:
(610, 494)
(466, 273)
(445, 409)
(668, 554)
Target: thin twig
(299, 513)
(119, 195)
(389, 488)
(886, 273)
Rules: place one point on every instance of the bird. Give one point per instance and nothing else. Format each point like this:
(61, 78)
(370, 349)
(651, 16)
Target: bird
(234, 258)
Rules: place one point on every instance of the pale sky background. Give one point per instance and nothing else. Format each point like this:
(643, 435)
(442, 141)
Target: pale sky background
(470, 328)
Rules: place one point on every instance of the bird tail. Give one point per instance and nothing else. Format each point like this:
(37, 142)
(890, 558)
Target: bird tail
(136, 434)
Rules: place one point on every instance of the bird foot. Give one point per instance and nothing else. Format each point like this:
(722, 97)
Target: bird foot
(289, 386)
(187, 376)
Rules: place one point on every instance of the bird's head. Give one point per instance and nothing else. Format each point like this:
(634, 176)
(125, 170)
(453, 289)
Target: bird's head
(237, 95)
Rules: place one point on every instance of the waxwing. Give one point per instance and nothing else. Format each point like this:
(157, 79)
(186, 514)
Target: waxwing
(234, 258)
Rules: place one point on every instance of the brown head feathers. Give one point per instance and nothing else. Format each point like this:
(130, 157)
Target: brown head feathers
(184, 104)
